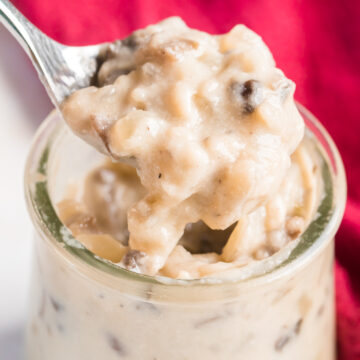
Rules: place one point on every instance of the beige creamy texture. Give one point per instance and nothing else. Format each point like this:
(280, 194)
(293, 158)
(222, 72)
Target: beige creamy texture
(75, 314)
(222, 177)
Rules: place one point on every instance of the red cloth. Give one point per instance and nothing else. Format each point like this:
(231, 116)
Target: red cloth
(315, 42)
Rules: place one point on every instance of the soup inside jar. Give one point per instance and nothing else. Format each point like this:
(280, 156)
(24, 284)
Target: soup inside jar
(208, 168)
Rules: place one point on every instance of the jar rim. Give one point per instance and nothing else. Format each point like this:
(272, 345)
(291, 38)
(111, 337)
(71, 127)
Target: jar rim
(45, 219)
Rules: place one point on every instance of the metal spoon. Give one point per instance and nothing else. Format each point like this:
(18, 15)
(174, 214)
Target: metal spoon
(62, 69)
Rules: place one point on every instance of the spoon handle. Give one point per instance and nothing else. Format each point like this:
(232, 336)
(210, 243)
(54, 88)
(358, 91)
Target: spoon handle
(45, 53)
(62, 69)
(25, 32)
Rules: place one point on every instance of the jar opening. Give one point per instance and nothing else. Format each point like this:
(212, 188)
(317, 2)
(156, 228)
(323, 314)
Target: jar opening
(318, 233)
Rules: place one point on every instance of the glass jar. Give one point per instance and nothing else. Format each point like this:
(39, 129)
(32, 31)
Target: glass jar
(84, 307)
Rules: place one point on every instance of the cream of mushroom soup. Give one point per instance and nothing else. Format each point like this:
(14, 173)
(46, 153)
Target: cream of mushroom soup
(199, 224)
(214, 171)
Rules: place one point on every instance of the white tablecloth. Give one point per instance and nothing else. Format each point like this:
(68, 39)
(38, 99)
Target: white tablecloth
(23, 105)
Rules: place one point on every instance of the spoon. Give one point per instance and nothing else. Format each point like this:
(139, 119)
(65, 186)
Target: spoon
(62, 69)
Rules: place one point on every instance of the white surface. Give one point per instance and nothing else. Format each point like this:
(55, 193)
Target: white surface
(23, 105)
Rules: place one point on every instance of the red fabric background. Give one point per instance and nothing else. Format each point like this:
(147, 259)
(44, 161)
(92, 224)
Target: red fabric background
(316, 43)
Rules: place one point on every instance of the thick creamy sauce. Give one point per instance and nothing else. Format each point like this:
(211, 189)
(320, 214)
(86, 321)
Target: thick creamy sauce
(215, 173)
